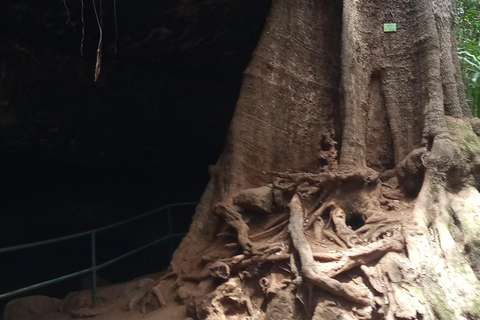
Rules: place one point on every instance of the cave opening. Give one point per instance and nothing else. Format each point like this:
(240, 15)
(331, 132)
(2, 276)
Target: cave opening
(78, 155)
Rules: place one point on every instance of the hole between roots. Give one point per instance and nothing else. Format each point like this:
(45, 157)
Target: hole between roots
(355, 221)
(325, 145)
(323, 162)
(430, 143)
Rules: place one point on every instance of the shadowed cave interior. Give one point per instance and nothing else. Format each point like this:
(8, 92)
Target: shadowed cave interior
(77, 155)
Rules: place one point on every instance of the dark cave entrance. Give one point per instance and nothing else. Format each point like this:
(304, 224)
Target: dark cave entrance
(77, 155)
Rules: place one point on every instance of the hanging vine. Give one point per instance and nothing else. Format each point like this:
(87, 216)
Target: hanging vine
(116, 24)
(98, 63)
(98, 10)
(83, 27)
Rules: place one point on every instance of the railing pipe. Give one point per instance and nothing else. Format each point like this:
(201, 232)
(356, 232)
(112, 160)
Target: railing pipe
(85, 271)
(81, 234)
(44, 283)
(170, 231)
(94, 270)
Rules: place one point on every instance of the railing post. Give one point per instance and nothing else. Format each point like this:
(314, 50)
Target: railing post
(94, 271)
(170, 231)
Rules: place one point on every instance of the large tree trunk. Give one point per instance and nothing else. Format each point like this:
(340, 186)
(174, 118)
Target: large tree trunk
(347, 188)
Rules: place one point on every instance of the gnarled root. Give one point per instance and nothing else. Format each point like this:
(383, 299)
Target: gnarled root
(346, 234)
(325, 178)
(395, 278)
(315, 270)
(271, 229)
(215, 305)
(310, 269)
(234, 219)
(362, 255)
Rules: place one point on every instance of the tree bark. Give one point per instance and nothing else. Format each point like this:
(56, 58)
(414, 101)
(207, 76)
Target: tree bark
(347, 124)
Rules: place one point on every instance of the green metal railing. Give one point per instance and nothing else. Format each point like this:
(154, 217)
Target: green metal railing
(93, 234)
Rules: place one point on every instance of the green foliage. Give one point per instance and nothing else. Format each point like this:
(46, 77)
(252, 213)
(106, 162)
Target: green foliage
(471, 73)
(468, 35)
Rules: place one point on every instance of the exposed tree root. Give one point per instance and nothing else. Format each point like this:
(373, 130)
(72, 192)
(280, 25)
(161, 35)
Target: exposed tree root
(284, 237)
(320, 200)
(334, 238)
(227, 293)
(318, 226)
(394, 277)
(364, 175)
(310, 269)
(234, 219)
(384, 293)
(270, 232)
(346, 234)
(317, 214)
(361, 255)
(381, 234)
(341, 261)
(279, 236)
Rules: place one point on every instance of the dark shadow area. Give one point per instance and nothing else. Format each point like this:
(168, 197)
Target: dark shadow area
(77, 155)
(355, 221)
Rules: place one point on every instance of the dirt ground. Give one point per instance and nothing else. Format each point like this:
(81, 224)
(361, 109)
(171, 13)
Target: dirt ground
(116, 302)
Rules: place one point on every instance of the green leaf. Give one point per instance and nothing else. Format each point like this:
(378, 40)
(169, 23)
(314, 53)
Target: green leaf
(475, 77)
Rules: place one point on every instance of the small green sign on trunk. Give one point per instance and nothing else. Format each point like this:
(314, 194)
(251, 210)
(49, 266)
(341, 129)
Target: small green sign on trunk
(389, 27)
